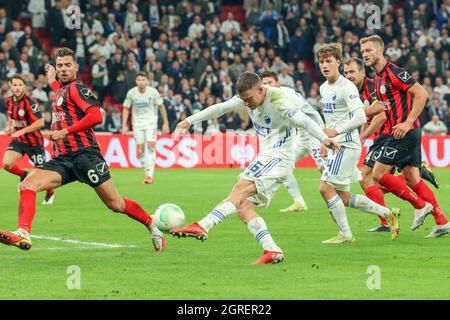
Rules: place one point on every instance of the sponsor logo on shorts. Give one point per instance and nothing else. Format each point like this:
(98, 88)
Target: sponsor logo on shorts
(390, 152)
(376, 155)
(102, 168)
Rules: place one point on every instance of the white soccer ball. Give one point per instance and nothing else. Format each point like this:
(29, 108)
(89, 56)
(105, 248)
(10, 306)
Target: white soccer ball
(168, 216)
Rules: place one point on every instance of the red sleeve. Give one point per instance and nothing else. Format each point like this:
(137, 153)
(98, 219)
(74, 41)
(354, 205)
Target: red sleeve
(400, 78)
(92, 118)
(56, 85)
(82, 96)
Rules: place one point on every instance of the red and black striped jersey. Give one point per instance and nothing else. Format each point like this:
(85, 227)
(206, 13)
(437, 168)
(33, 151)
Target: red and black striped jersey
(23, 113)
(368, 96)
(391, 86)
(69, 106)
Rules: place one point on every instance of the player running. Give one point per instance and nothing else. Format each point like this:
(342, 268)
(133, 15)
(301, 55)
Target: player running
(24, 122)
(344, 114)
(403, 99)
(275, 113)
(377, 129)
(144, 102)
(305, 144)
(75, 111)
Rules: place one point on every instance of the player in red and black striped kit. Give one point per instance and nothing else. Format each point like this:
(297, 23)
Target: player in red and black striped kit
(403, 100)
(377, 129)
(24, 122)
(75, 111)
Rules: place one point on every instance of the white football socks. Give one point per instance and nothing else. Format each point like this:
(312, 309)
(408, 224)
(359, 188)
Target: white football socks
(365, 204)
(293, 189)
(147, 160)
(258, 228)
(337, 211)
(217, 215)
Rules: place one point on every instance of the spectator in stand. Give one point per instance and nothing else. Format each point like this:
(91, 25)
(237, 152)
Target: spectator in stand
(113, 122)
(230, 25)
(38, 93)
(100, 78)
(56, 23)
(435, 127)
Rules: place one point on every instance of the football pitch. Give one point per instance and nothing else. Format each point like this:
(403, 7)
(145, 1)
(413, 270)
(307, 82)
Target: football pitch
(81, 250)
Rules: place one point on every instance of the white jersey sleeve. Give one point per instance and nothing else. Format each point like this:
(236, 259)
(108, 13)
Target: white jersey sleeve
(216, 110)
(289, 105)
(128, 100)
(157, 100)
(355, 107)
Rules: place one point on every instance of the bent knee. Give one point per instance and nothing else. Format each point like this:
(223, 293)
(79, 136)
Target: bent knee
(7, 165)
(116, 205)
(27, 185)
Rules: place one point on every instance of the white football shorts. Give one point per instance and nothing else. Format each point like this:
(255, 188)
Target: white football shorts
(145, 135)
(268, 174)
(341, 168)
(308, 145)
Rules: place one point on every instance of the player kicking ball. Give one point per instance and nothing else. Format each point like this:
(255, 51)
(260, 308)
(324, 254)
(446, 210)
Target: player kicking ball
(144, 101)
(344, 114)
(305, 145)
(77, 157)
(23, 124)
(275, 113)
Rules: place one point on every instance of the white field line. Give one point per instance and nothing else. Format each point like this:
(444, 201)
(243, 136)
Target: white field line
(71, 248)
(95, 244)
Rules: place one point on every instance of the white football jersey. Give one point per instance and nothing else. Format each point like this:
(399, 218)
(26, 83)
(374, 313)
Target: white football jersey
(271, 120)
(145, 107)
(308, 110)
(339, 101)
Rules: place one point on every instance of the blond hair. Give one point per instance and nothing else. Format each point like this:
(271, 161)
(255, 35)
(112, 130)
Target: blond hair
(373, 38)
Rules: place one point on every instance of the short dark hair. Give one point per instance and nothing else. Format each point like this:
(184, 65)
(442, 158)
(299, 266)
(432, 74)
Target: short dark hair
(64, 51)
(269, 74)
(247, 81)
(141, 74)
(358, 62)
(19, 76)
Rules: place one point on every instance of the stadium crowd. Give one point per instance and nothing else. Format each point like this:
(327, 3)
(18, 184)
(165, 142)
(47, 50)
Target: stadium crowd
(193, 51)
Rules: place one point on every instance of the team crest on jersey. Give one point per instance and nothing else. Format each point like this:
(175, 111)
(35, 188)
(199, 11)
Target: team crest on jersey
(267, 119)
(333, 97)
(60, 101)
(86, 92)
(21, 113)
(404, 76)
(383, 89)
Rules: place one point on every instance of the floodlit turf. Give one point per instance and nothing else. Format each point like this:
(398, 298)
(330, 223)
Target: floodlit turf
(220, 268)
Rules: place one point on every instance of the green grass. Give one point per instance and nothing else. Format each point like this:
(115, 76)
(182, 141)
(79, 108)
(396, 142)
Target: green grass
(411, 268)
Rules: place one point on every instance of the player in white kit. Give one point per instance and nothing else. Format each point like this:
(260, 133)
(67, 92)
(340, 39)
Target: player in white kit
(275, 114)
(144, 101)
(305, 145)
(344, 114)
